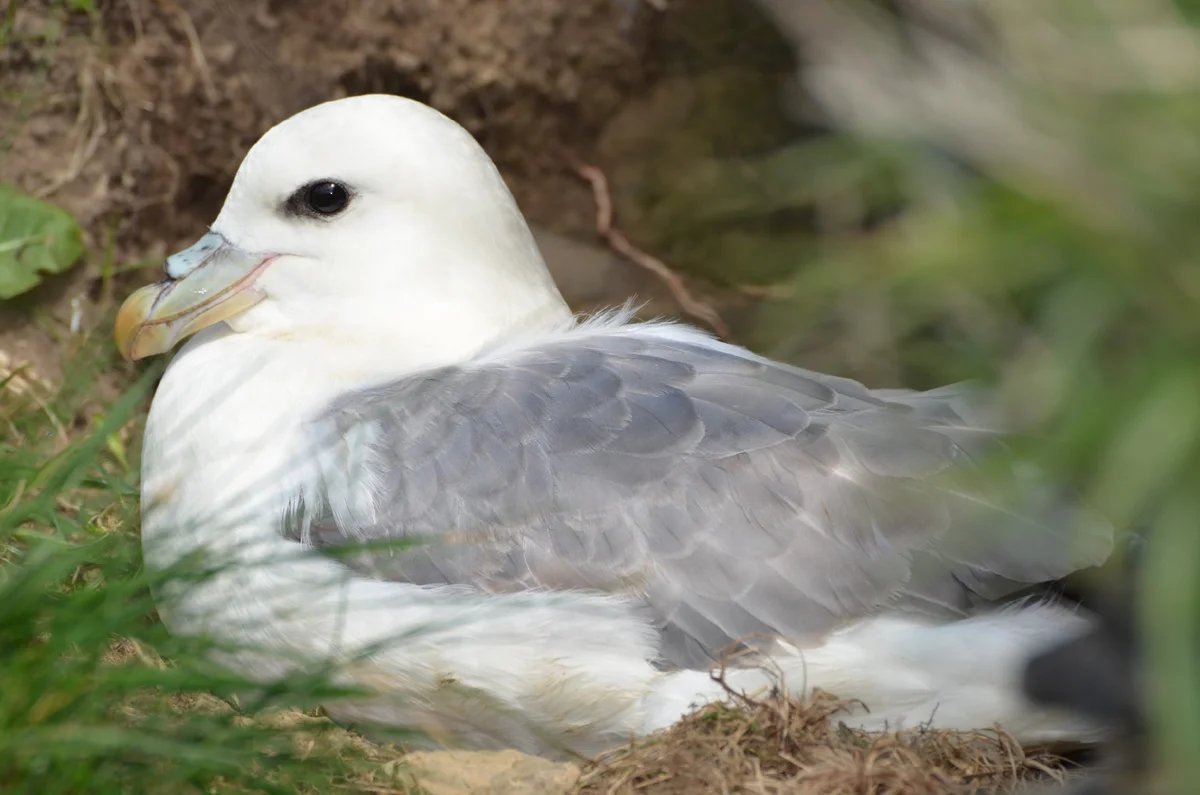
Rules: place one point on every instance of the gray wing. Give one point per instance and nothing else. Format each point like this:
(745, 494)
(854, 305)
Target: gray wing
(733, 495)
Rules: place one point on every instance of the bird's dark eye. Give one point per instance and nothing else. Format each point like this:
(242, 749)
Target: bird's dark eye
(327, 197)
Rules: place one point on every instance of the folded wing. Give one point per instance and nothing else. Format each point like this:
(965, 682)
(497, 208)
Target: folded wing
(731, 495)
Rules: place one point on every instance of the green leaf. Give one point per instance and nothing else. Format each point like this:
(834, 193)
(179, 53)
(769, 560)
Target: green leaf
(35, 238)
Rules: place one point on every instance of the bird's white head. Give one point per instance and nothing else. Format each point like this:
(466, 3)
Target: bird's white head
(373, 221)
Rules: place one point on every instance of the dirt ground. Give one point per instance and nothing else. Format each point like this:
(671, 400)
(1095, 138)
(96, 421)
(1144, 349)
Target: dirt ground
(134, 117)
(134, 114)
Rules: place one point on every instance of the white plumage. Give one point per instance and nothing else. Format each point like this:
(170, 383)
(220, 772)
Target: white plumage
(596, 508)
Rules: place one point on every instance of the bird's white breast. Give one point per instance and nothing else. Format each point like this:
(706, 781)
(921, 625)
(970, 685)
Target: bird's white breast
(227, 448)
(219, 445)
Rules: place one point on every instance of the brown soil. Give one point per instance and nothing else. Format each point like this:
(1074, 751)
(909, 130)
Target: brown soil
(134, 117)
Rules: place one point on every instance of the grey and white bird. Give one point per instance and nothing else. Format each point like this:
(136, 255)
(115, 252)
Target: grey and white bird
(589, 512)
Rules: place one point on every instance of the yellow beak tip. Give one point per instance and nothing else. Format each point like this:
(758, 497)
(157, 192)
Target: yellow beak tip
(132, 332)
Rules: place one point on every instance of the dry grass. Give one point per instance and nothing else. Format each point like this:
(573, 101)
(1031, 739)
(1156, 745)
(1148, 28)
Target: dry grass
(781, 746)
(366, 766)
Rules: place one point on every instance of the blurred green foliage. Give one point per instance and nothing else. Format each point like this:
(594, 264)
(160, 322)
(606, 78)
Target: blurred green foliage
(1002, 191)
(35, 238)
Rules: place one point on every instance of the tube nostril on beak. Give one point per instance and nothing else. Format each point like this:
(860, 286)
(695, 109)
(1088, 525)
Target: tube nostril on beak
(184, 262)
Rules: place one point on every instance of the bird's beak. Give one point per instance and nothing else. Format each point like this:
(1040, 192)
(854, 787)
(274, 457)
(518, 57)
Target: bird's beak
(211, 281)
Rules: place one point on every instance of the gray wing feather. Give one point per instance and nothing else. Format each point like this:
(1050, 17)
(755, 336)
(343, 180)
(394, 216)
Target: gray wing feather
(733, 495)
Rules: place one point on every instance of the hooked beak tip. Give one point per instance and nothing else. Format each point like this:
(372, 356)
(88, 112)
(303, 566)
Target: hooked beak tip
(131, 330)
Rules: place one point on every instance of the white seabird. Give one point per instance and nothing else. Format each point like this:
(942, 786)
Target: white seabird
(592, 511)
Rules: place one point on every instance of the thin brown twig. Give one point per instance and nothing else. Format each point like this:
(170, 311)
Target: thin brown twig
(617, 241)
(207, 84)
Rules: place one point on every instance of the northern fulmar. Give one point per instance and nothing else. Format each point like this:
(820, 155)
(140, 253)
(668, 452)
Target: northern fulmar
(514, 527)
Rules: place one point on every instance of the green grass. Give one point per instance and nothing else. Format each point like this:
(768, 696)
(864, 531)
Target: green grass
(98, 697)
